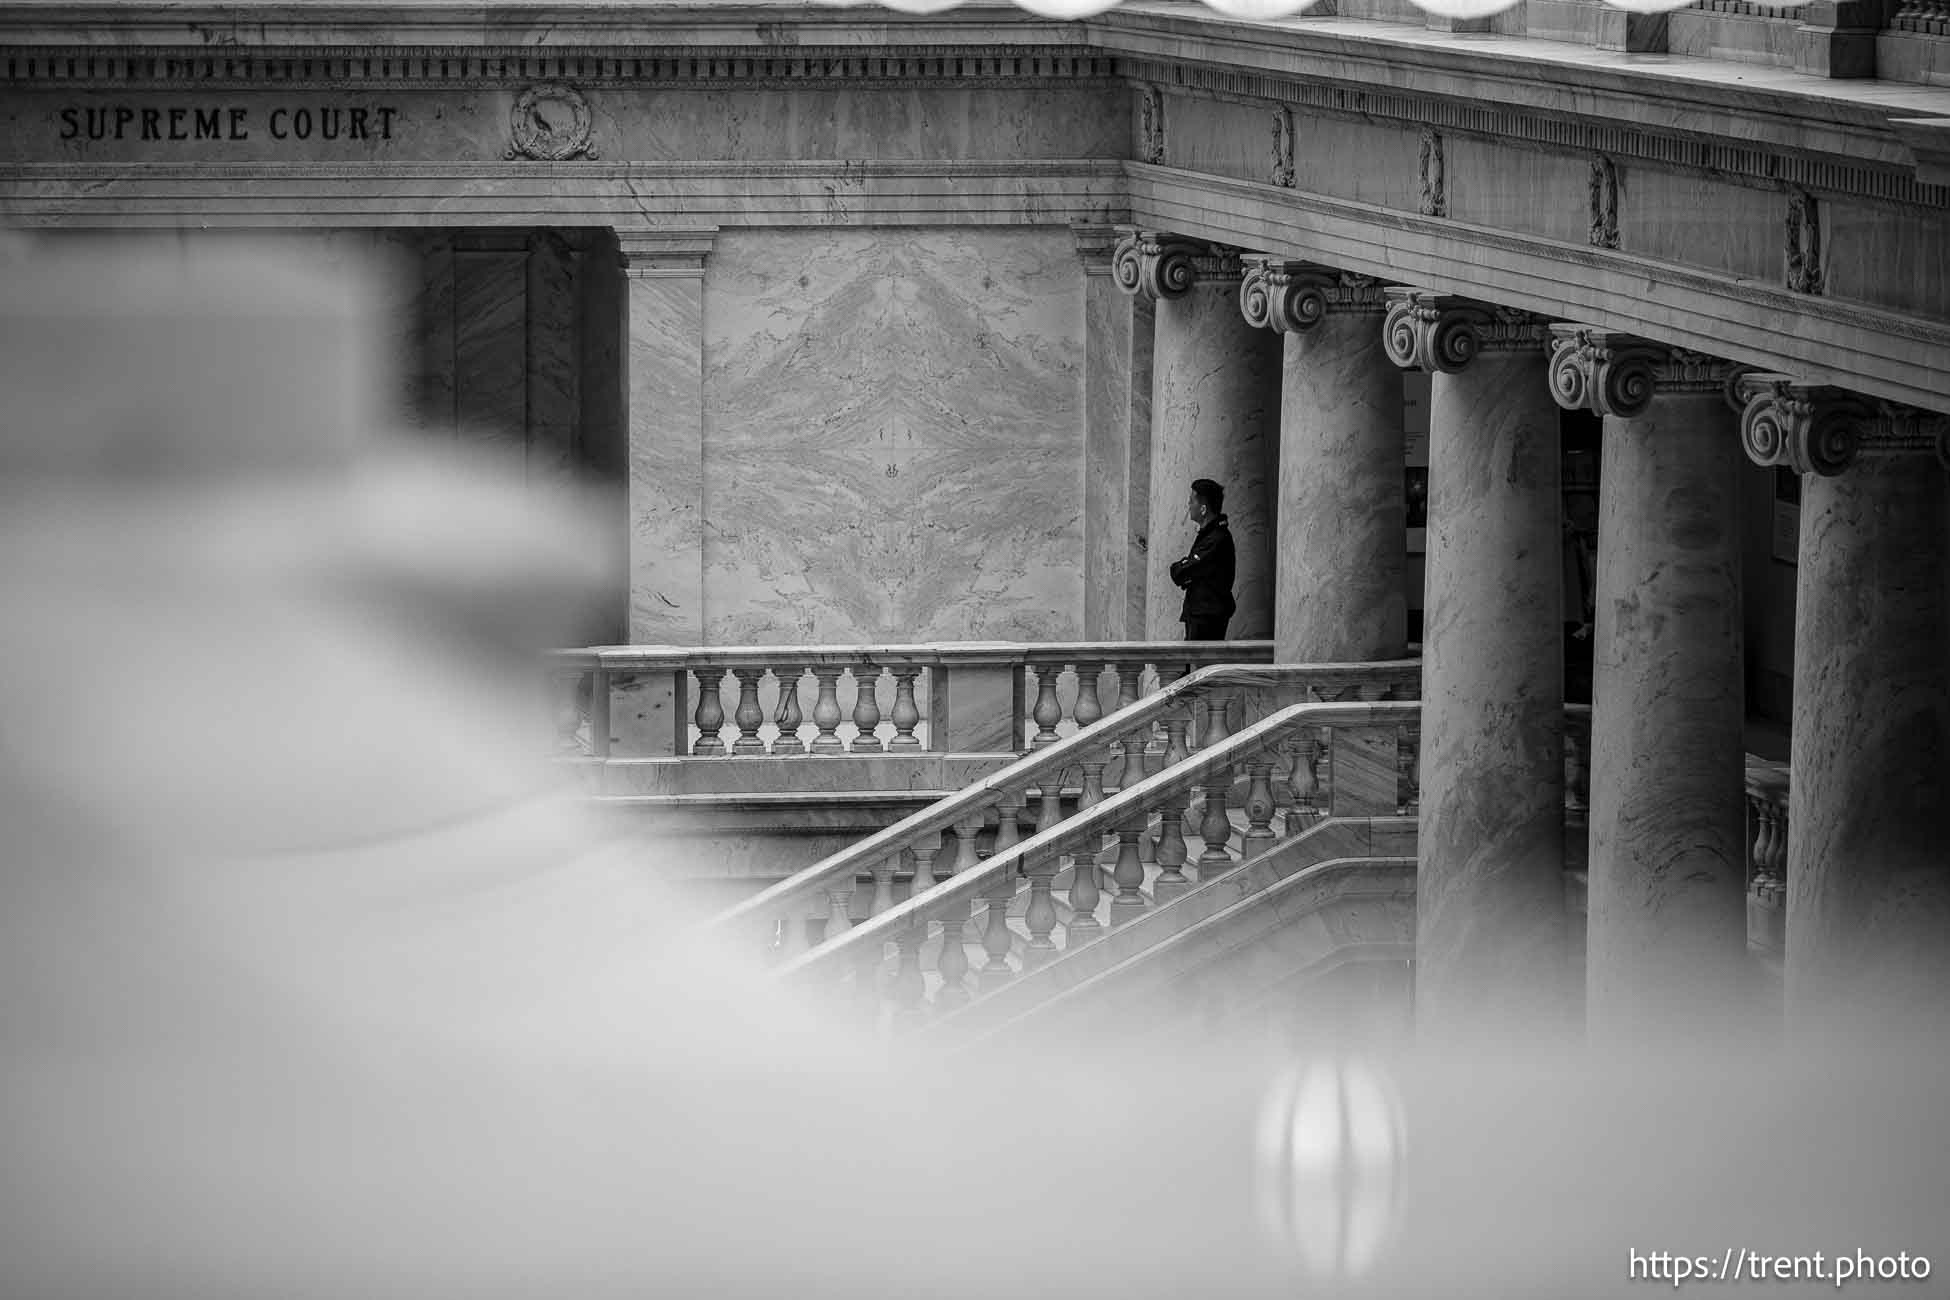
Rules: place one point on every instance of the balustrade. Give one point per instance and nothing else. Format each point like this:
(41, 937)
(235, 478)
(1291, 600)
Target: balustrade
(1924, 17)
(747, 702)
(1253, 751)
(1767, 821)
(1039, 781)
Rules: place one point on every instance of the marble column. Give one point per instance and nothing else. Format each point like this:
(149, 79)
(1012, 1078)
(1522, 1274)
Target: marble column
(1666, 919)
(1341, 543)
(1868, 873)
(1213, 415)
(664, 359)
(1117, 442)
(1490, 933)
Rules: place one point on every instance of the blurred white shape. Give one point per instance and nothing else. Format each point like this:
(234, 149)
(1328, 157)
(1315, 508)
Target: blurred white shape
(1332, 1140)
(1068, 9)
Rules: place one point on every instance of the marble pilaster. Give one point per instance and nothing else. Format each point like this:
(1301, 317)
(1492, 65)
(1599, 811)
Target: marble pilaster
(1666, 922)
(1117, 434)
(1213, 415)
(665, 356)
(1490, 932)
(1868, 878)
(1339, 552)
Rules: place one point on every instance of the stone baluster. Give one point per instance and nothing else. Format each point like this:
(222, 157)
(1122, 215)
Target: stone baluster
(1216, 828)
(1215, 731)
(1128, 874)
(826, 711)
(1089, 707)
(883, 884)
(925, 850)
(1306, 813)
(906, 715)
(952, 964)
(787, 717)
(838, 914)
(1259, 808)
(1052, 799)
(1084, 897)
(866, 710)
(749, 716)
(1129, 769)
(1172, 845)
(1093, 794)
(996, 941)
(1172, 880)
(1129, 677)
(1040, 915)
(710, 713)
(1048, 711)
(909, 987)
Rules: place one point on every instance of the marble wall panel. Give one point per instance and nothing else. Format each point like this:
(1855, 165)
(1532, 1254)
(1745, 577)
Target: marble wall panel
(438, 399)
(666, 471)
(1706, 223)
(894, 440)
(1892, 257)
(1359, 161)
(1220, 136)
(1107, 457)
(490, 339)
(554, 378)
(602, 444)
(1524, 190)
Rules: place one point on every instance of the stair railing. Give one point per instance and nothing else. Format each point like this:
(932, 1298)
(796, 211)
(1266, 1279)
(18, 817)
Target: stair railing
(1360, 744)
(782, 917)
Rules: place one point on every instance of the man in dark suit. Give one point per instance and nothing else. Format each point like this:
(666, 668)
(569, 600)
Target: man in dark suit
(1206, 574)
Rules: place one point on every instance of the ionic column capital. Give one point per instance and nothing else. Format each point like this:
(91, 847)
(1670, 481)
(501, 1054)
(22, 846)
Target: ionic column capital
(665, 254)
(1162, 266)
(1293, 297)
(1436, 332)
(1817, 429)
(1613, 373)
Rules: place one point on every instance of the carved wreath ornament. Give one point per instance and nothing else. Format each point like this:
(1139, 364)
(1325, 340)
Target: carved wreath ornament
(551, 123)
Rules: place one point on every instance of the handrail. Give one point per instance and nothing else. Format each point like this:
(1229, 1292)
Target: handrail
(649, 658)
(1031, 770)
(831, 958)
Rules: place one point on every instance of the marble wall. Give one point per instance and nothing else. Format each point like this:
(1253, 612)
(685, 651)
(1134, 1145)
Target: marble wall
(893, 445)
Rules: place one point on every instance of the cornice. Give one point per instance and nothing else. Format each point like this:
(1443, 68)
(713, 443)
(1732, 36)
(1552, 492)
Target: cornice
(457, 67)
(1867, 157)
(1877, 352)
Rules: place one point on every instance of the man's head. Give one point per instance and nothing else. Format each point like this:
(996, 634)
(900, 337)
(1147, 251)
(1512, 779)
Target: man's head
(1207, 501)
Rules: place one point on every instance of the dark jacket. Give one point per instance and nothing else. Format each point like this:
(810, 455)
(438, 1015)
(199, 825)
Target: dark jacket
(1206, 574)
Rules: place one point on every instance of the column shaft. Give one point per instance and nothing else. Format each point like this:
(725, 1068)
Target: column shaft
(1213, 416)
(1117, 436)
(1490, 899)
(1666, 927)
(1868, 873)
(1342, 543)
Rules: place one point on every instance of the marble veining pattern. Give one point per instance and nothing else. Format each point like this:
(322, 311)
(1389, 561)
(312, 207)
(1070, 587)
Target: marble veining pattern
(1666, 903)
(1868, 889)
(1144, 338)
(1490, 908)
(490, 342)
(666, 460)
(1107, 458)
(553, 387)
(894, 445)
(1340, 552)
(1215, 414)
(438, 409)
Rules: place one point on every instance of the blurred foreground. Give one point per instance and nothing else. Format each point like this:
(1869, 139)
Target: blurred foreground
(316, 983)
